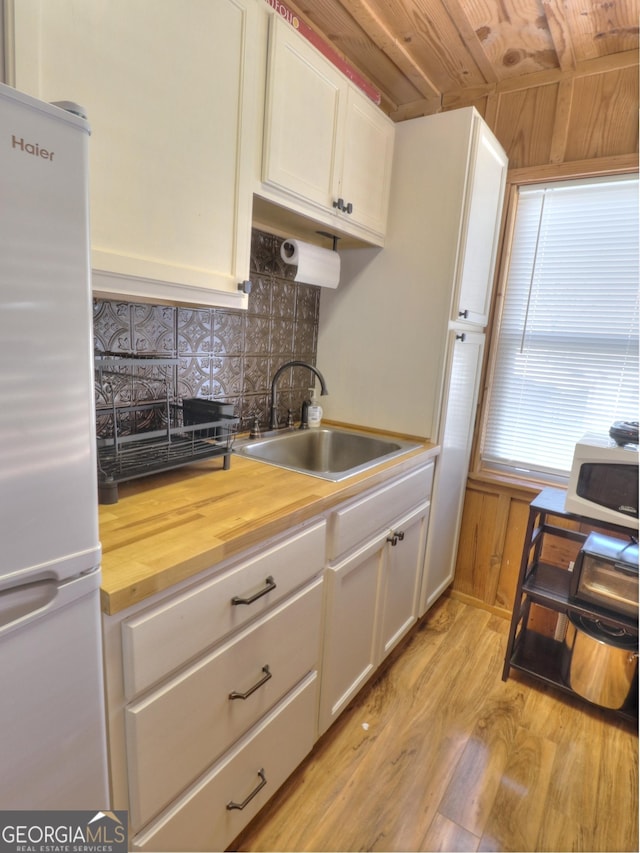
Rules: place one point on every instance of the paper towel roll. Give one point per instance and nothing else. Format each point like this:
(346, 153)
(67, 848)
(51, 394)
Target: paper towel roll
(315, 265)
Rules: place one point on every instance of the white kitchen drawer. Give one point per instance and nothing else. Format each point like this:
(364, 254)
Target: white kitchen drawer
(164, 638)
(201, 820)
(362, 518)
(178, 731)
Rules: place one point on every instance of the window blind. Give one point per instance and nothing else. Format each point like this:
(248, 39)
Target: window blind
(567, 354)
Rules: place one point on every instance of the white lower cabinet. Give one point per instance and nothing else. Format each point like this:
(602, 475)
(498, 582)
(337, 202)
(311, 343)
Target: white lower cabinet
(371, 591)
(218, 688)
(351, 612)
(404, 560)
(190, 721)
(211, 813)
(213, 685)
(354, 522)
(160, 640)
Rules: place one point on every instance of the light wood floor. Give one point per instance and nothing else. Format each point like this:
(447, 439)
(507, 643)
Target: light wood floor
(438, 753)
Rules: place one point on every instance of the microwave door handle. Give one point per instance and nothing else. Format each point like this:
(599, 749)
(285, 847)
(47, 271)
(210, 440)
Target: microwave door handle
(624, 568)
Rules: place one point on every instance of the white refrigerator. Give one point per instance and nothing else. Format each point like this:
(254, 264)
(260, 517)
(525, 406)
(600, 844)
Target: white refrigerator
(52, 717)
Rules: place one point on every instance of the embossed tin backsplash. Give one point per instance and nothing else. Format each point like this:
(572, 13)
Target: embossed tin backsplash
(225, 354)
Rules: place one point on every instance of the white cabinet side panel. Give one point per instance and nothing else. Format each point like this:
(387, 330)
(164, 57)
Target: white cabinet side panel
(452, 465)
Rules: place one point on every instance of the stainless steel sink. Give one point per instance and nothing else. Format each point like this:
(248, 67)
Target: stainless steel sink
(331, 454)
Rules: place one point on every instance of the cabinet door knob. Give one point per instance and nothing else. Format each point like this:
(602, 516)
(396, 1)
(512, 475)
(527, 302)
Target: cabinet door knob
(345, 208)
(396, 536)
(464, 313)
(461, 337)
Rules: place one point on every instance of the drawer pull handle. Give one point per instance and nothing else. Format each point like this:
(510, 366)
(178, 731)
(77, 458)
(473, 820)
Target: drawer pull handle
(270, 584)
(235, 694)
(260, 786)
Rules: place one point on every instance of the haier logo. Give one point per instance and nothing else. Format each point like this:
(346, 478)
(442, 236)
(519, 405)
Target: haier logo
(32, 148)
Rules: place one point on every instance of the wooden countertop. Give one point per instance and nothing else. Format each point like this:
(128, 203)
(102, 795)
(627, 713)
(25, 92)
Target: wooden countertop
(168, 527)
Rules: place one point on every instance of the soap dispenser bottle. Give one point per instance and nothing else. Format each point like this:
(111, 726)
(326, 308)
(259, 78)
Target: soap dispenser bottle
(315, 409)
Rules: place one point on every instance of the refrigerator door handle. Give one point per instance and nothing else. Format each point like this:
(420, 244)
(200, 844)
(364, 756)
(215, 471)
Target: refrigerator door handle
(23, 603)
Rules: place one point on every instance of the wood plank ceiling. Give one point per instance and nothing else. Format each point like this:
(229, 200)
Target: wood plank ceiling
(423, 55)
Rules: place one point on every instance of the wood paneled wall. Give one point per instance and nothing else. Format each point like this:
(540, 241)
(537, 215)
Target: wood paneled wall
(557, 117)
(556, 125)
(494, 522)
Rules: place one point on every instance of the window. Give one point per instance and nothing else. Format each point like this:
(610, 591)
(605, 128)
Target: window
(566, 360)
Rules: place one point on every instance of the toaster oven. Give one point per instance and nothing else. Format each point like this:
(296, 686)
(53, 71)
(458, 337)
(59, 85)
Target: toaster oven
(606, 574)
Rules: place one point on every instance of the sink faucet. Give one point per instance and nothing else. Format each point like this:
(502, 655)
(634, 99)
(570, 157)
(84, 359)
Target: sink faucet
(273, 419)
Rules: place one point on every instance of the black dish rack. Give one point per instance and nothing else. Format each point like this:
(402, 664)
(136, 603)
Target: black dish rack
(141, 428)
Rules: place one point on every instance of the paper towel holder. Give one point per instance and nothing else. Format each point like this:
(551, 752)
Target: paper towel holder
(330, 237)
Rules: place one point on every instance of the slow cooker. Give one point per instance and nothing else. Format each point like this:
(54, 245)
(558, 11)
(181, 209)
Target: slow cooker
(600, 661)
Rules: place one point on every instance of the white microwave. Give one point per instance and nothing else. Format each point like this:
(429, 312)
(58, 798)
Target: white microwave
(603, 483)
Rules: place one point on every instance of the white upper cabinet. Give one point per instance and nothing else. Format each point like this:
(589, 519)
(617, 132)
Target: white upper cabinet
(366, 167)
(328, 149)
(480, 227)
(304, 118)
(173, 95)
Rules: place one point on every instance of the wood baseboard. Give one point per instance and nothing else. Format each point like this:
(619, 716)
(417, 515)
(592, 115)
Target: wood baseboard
(476, 602)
